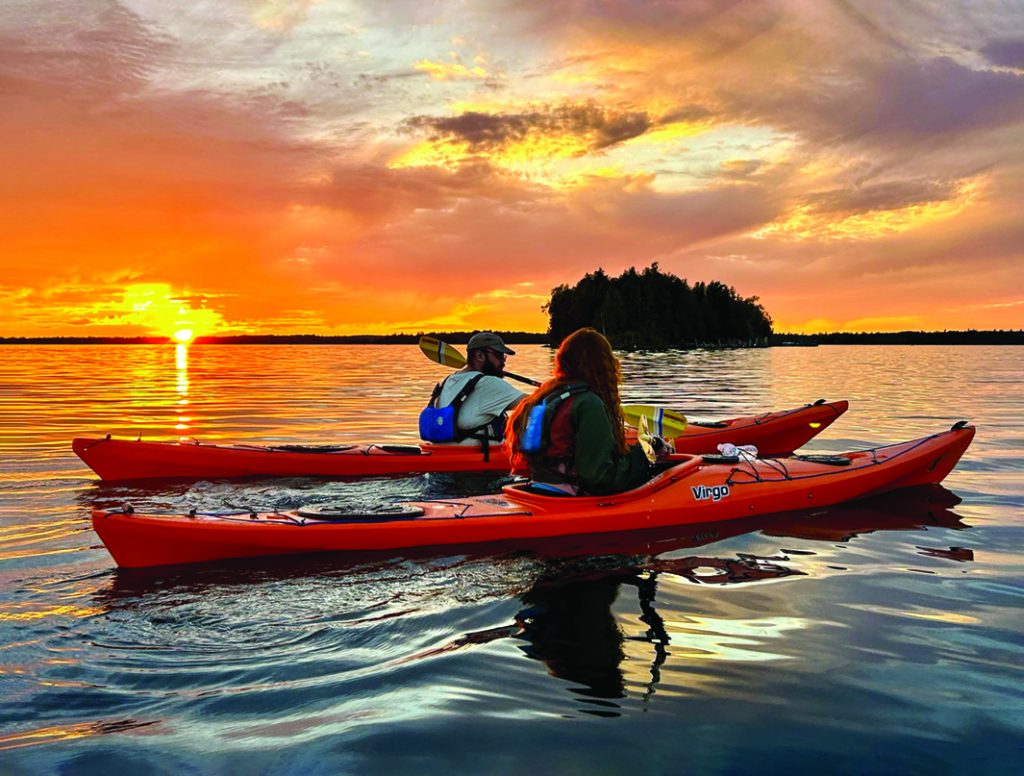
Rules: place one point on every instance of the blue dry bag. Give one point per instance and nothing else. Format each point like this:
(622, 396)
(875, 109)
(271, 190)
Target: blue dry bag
(441, 424)
(533, 436)
(437, 425)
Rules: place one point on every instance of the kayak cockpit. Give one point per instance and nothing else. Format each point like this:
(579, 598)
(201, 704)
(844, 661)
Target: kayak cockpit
(682, 465)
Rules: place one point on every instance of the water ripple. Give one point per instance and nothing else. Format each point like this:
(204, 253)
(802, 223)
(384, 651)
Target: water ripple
(885, 631)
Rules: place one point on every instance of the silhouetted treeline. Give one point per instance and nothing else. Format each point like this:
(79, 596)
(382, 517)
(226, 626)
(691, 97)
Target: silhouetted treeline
(455, 338)
(968, 337)
(655, 309)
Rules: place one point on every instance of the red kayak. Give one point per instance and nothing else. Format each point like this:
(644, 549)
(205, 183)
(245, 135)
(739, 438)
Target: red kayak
(774, 433)
(693, 490)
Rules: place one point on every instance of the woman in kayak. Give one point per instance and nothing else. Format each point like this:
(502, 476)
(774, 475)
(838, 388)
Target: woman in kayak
(569, 435)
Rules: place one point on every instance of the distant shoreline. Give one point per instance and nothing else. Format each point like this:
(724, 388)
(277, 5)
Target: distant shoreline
(968, 337)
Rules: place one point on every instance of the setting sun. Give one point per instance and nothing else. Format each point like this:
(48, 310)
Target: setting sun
(183, 335)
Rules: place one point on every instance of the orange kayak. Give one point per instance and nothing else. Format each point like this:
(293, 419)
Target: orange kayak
(693, 490)
(774, 433)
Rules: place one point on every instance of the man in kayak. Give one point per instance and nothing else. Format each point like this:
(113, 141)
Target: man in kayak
(569, 435)
(470, 406)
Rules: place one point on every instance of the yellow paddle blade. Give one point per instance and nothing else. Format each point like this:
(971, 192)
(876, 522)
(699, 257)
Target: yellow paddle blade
(442, 352)
(662, 422)
(643, 436)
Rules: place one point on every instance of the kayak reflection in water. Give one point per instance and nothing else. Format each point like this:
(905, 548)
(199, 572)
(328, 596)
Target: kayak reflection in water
(569, 435)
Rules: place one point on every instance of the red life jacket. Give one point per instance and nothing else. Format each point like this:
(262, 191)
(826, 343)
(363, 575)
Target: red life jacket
(561, 434)
(556, 463)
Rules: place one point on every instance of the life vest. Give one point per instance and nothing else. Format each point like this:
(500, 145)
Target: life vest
(441, 424)
(548, 442)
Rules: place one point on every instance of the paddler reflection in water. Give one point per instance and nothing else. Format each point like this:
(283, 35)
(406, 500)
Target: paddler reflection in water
(569, 435)
(570, 624)
(470, 406)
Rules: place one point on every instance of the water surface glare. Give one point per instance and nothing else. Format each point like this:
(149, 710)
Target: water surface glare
(876, 637)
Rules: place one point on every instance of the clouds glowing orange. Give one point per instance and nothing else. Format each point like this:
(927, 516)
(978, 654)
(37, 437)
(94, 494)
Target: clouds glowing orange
(852, 168)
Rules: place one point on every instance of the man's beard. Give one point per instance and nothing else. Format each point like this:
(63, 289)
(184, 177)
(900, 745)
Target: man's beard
(490, 369)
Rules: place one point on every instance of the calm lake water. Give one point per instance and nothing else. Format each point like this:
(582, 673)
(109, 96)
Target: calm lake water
(878, 637)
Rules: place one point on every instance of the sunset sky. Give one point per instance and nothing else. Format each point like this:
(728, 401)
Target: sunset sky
(371, 167)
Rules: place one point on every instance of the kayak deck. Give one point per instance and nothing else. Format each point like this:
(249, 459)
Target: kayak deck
(119, 459)
(692, 491)
(773, 433)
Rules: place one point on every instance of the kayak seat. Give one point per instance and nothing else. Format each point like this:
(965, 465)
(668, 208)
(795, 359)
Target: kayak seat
(709, 423)
(664, 466)
(828, 460)
(539, 489)
(312, 448)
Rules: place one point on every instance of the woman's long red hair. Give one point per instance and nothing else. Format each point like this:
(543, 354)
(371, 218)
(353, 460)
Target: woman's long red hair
(585, 356)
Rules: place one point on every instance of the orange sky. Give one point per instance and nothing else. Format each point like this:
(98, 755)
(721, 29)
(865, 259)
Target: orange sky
(347, 167)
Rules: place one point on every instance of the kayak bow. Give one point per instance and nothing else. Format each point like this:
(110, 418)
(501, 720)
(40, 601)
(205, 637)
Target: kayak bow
(692, 491)
(774, 433)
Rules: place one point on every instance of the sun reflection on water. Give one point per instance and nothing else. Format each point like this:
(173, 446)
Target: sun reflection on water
(181, 367)
(46, 735)
(721, 638)
(26, 614)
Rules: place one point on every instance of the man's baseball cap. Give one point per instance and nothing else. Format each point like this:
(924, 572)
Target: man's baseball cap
(488, 339)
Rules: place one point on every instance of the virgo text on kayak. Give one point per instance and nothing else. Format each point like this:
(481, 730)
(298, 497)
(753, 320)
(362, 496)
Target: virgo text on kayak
(715, 492)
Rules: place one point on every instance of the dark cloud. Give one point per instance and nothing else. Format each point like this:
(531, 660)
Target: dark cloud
(688, 113)
(108, 54)
(480, 130)
(715, 27)
(1006, 53)
(610, 130)
(739, 169)
(942, 96)
(682, 219)
(892, 103)
(889, 195)
(371, 80)
(487, 131)
(374, 194)
(874, 26)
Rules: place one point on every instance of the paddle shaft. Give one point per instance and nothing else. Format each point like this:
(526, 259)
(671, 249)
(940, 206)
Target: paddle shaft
(520, 378)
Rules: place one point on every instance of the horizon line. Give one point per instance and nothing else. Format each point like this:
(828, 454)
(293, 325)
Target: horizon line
(534, 336)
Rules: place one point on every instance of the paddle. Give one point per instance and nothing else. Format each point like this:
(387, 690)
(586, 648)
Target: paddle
(643, 436)
(666, 423)
(443, 353)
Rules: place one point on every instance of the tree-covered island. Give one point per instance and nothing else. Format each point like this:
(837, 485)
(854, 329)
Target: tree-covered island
(655, 310)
